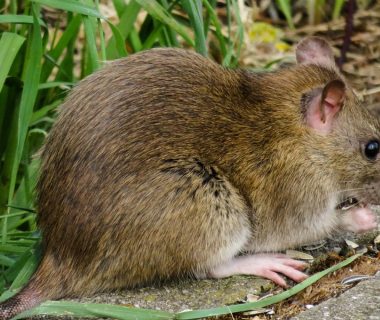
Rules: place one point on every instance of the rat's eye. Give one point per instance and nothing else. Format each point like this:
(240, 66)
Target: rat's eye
(372, 149)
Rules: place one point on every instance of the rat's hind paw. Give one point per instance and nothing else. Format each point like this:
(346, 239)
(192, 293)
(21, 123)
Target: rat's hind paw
(269, 266)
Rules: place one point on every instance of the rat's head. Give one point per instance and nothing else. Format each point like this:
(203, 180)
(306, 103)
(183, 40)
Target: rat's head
(343, 130)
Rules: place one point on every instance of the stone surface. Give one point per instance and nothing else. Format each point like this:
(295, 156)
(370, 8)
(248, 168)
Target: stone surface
(186, 295)
(180, 296)
(359, 303)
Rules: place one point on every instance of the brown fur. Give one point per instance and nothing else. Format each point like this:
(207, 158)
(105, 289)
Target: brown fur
(158, 162)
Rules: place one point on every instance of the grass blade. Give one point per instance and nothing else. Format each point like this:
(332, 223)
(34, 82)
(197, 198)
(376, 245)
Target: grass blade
(26, 272)
(93, 310)
(194, 10)
(135, 41)
(72, 6)
(218, 27)
(286, 8)
(239, 33)
(119, 42)
(338, 5)
(10, 44)
(62, 84)
(149, 42)
(12, 248)
(31, 77)
(21, 19)
(170, 35)
(90, 31)
(52, 56)
(159, 13)
(127, 19)
(21, 271)
(6, 261)
(232, 52)
(119, 6)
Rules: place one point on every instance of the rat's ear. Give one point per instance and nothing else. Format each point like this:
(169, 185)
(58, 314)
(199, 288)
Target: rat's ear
(314, 50)
(322, 108)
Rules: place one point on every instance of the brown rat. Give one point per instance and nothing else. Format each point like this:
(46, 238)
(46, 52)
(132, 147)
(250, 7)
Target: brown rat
(165, 164)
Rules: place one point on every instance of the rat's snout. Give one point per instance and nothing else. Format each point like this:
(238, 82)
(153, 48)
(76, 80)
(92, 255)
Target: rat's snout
(359, 219)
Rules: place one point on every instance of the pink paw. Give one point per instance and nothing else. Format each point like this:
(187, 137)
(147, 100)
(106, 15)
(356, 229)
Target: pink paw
(269, 266)
(359, 220)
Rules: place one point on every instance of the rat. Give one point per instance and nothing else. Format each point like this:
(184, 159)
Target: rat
(165, 165)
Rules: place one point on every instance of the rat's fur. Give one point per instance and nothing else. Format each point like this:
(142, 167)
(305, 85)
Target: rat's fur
(165, 164)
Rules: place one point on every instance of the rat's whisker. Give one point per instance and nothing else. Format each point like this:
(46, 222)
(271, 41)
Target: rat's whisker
(352, 189)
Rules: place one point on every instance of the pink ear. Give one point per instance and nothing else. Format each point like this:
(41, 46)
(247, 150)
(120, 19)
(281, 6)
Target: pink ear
(322, 109)
(314, 50)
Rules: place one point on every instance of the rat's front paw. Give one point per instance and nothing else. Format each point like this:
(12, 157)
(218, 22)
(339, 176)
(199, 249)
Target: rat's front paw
(269, 266)
(359, 219)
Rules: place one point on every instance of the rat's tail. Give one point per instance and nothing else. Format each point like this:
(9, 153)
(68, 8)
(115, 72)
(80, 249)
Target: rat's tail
(26, 299)
(43, 285)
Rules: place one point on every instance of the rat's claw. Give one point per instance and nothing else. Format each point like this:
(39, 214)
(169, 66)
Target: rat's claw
(299, 265)
(275, 277)
(290, 272)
